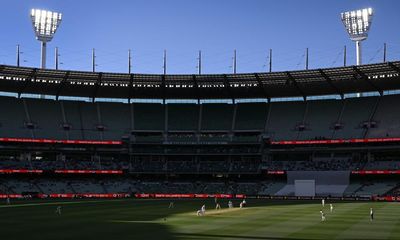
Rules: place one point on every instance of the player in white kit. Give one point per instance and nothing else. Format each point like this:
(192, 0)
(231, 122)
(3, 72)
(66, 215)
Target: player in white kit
(331, 206)
(371, 214)
(217, 206)
(322, 216)
(323, 202)
(58, 210)
(203, 209)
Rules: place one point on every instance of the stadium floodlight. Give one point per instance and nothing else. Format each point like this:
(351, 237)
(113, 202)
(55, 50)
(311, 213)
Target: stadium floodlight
(45, 24)
(358, 23)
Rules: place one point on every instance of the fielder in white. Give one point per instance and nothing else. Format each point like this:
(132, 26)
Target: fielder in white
(322, 216)
(58, 210)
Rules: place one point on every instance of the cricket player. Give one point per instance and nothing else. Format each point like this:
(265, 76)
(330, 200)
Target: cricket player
(331, 207)
(371, 214)
(171, 205)
(322, 216)
(230, 204)
(323, 202)
(199, 213)
(203, 209)
(58, 210)
(8, 201)
(217, 206)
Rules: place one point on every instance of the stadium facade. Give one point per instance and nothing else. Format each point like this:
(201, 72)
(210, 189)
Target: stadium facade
(248, 134)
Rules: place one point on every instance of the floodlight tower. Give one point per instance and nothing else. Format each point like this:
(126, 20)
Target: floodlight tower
(358, 23)
(45, 24)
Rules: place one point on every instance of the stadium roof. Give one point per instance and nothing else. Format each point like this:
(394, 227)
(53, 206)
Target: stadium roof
(329, 81)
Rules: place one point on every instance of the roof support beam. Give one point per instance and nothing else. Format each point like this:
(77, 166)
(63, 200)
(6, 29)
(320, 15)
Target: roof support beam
(293, 80)
(261, 86)
(130, 88)
(163, 86)
(27, 81)
(62, 83)
(228, 88)
(329, 81)
(196, 88)
(96, 87)
(365, 78)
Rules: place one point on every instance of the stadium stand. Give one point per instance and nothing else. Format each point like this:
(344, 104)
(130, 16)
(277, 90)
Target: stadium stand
(319, 120)
(149, 116)
(217, 117)
(115, 119)
(251, 116)
(73, 120)
(386, 117)
(14, 121)
(356, 112)
(183, 117)
(217, 145)
(285, 120)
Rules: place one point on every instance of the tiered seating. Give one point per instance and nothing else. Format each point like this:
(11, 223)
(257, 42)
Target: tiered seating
(251, 116)
(41, 118)
(382, 165)
(49, 186)
(13, 118)
(375, 188)
(90, 121)
(284, 119)
(356, 112)
(73, 118)
(116, 118)
(47, 115)
(217, 117)
(271, 188)
(149, 116)
(87, 186)
(183, 117)
(121, 186)
(352, 188)
(387, 117)
(320, 119)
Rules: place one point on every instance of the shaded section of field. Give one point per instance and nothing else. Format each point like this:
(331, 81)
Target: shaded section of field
(152, 219)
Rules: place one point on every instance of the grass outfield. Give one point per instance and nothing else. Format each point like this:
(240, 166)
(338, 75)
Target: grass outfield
(151, 219)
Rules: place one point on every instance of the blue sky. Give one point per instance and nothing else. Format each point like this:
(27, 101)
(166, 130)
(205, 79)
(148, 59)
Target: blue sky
(183, 27)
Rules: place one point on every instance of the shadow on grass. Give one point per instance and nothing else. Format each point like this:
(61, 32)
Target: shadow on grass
(218, 236)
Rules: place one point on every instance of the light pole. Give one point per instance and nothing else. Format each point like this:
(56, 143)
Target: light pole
(45, 24)
(357, 24)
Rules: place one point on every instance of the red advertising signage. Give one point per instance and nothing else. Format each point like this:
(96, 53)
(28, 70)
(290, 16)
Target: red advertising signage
(189, 195)
(4, 196)
(89, 171)
(20, 171)
(84, 195)
(87, 142)
(388, 198)
(375, 172)
(276, 172)
(336, 141)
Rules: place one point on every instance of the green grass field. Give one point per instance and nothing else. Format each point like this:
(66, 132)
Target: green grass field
(151, 219)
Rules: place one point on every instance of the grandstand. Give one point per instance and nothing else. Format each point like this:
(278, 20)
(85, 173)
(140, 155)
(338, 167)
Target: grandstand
(263, 128)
